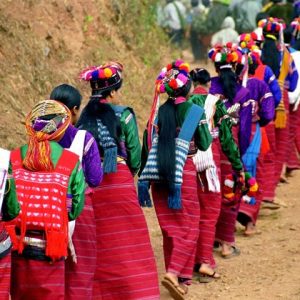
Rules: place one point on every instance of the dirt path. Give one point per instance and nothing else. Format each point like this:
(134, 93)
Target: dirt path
(269, 265)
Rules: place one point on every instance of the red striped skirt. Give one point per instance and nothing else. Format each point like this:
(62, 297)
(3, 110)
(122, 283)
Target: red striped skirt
(210, 205)
(180, 228)
(248, 212)
(268, 184)
(125, 261)
(5, 270)
(294, 138)
(225, 227)
(36, 280)
(80, 276)
(282, 142)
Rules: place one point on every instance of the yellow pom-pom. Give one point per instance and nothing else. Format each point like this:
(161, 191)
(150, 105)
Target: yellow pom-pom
(247, 37)
(254, 188)
(243, 44)
(108, 72)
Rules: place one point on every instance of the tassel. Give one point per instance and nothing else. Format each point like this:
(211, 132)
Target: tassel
(143, 194)
(11, 230)
(174, 198)
(57, 244)
(281, 118)
(110, 160)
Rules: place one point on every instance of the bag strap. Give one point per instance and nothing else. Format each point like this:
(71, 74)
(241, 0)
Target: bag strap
(190, 123)
(77, 145)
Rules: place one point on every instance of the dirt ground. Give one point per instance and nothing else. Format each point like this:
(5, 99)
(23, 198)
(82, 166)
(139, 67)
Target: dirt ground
(269, 265)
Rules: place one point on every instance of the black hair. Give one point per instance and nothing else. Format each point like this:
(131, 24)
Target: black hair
(261, 16)
(288, 34)
(270, 55)
(167, 133)
(166, 140)
(200, 76)
(95, 109)
(194, 3)
(67, 94)
(228, 81)
(252, 68)
(296, 45)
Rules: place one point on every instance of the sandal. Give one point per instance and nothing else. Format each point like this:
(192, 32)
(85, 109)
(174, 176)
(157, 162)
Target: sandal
(175, 289)
(206, 278)
(235, 252)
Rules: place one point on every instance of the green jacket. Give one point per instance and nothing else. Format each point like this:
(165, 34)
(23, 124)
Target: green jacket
(224, 125)
(76, 188)
(130, 136)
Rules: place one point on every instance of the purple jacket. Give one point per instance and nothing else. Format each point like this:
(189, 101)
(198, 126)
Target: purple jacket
(91, 161)
(240, 111)
(263, 104)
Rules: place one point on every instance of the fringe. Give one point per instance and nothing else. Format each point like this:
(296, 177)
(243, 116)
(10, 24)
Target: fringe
(110, 160)
(281, 118)
(57, 244)
(143, 194)
(174, 198)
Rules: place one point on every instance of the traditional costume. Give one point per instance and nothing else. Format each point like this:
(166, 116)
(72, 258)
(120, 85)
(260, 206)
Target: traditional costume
(50, 189)
(287, 77)
(175, 200)
(125, 262)
(80, 267)
(239, 111)
(209, 195)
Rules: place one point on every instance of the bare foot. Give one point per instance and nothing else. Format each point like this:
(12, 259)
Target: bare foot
(250, 229)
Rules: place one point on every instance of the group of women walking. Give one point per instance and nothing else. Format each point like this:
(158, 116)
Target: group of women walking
(72, 224)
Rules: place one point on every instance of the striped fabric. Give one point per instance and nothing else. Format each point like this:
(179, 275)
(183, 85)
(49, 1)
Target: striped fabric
(225, 227)
(28, 274)
(125, 261)
(180, 228)
(210, 205)
(268, 184)
(282, 141)
(79, 277)
(292, 156)
(5, 269)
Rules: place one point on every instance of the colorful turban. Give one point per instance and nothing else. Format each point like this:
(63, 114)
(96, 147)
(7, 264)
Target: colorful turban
(272, 27)
(47, 121)
(225, 55)
(173, 77)
(104, 76)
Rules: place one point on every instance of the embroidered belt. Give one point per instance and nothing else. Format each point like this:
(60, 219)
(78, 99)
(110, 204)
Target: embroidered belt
(30, 241)
(5, 245)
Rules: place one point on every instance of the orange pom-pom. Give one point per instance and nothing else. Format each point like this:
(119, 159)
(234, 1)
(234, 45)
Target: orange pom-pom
(108, 72)
(235, 57)
(185, 67)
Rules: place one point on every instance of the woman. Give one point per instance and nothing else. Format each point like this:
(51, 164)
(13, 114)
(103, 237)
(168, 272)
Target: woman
(178, 215)
(263, 112)
(44, 174)
(80, 268)
(210, 198)
(125, 261)
(236, 100)
(276, 56)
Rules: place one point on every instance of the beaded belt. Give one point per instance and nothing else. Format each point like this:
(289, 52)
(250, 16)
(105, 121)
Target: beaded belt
(30, 241)
(5, 245)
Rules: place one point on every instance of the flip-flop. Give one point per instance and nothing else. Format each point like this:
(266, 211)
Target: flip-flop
(206, 278)
(235, 252)
(173, 289)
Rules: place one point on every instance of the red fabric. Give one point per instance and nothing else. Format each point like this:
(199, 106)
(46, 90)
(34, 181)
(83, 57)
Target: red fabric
(225, 227)
(42, 196)
(36, 280)
(268, 184)
(125, 261)
(282, 141)
(80, 276)
(210, 205)
(180, 228)
(251, 211)
(260, 72)
(199, 90)
(5, 270)
(292, 155)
